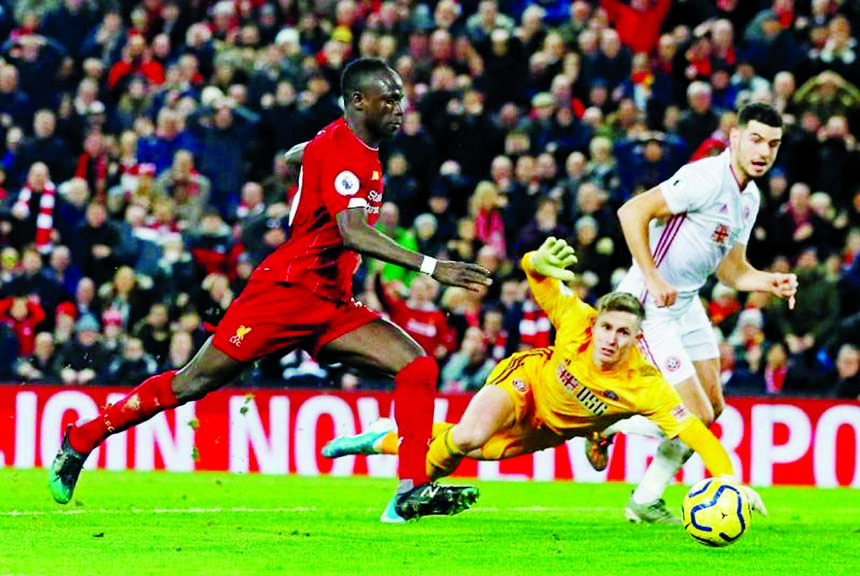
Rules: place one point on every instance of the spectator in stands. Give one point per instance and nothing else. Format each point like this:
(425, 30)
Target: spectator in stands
(224, 136)
(23, 315)
(128, 293)
(45, 146)
(469, 366)
(136, 59)
(389, 224)
(161, 148)
(417, 314)
(826, 94)
(82, 360)
(848, 373)
(33, 210)
(486, 208)
(39, 60)
(16, 106)
(797, 227)
(180, 352)
(133, 366)
(212, 246)
(86, 298)
(99, 240)
(815, 314)
(699, 121)
(154, 332)
(63, 271)
(40, 366)
(638, 23)
(33, 281)
(70, 213)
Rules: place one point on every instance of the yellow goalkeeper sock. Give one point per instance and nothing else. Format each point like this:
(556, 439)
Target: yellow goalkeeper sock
(443, 456)
(390, 443)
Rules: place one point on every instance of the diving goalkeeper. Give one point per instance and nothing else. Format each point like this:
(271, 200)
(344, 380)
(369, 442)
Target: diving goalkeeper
(593, 376)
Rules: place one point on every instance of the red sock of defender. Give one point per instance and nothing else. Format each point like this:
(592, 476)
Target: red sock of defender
(414, 392)
(154, 395)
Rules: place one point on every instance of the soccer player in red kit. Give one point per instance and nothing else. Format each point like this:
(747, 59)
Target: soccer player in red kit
(301, 296)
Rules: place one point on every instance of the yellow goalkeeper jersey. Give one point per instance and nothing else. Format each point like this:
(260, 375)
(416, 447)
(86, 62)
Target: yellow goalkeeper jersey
(572, 396)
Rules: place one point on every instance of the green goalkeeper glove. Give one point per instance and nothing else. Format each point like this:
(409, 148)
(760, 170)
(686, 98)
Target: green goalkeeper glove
(553, 257)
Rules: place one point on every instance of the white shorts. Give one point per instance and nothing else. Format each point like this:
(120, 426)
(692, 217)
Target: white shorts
(674, 338)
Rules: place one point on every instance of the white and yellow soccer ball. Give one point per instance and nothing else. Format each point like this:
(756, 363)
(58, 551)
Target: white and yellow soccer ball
(716, 511)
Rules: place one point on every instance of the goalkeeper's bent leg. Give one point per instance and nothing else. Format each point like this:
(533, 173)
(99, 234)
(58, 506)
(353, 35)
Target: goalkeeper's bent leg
(444, 455)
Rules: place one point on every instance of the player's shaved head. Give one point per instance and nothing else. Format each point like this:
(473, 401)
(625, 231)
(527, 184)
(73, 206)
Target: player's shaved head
(357, 74)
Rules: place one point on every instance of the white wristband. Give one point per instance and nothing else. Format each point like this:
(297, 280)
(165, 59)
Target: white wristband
(428, 265)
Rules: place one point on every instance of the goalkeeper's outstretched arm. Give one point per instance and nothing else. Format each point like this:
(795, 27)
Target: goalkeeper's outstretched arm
(716, 459)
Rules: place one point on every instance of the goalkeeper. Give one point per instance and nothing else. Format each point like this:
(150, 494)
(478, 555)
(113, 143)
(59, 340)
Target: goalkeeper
(593, 376)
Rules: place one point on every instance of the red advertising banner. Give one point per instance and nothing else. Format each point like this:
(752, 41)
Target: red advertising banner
(771, 441)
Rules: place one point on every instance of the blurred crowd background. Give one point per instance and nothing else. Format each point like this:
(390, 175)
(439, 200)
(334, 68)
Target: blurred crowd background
(142, 179)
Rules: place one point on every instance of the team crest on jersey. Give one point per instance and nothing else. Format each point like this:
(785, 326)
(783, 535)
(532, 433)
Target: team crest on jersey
(519, 385)
(241, 332)
(673, 363)
(721, 234)
(346, 183)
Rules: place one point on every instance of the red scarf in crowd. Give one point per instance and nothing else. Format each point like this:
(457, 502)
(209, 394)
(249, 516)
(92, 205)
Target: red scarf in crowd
(45, 219)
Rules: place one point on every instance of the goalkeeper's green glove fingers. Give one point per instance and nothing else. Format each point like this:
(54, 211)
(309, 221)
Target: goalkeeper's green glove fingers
(552, 259)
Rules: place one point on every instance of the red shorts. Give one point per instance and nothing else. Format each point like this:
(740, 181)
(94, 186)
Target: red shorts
(269, 317)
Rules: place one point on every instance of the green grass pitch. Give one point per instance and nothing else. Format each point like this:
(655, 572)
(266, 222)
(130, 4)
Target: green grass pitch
(130, 523)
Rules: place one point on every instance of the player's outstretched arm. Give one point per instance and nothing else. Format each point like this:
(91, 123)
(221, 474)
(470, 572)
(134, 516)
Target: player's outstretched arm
(736, 271)
(360, 236)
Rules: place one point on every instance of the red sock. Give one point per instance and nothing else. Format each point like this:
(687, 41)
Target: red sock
(154, 395)
(414, 393)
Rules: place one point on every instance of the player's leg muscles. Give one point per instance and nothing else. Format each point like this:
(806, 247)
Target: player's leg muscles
(382, 347)
(695, 399)
(489, 411)
(208, 370)
(708, 373)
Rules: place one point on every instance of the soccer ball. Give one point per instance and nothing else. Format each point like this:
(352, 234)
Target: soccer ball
(716, 512)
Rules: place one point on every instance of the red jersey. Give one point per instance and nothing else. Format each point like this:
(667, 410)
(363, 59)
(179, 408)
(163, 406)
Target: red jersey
(429, 327)
(339, 171)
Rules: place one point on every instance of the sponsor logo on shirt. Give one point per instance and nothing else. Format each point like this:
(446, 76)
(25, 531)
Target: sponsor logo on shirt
(346, 183)
(241, 332)
(374, 176)
(588, 399)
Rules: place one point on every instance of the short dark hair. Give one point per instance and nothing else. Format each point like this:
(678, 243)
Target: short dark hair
(356, 73)
(621, 302)
(760, 112)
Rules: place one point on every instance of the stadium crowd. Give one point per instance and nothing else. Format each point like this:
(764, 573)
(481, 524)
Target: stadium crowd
(142, 174)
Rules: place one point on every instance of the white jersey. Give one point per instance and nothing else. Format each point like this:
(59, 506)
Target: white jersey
(710, 215)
